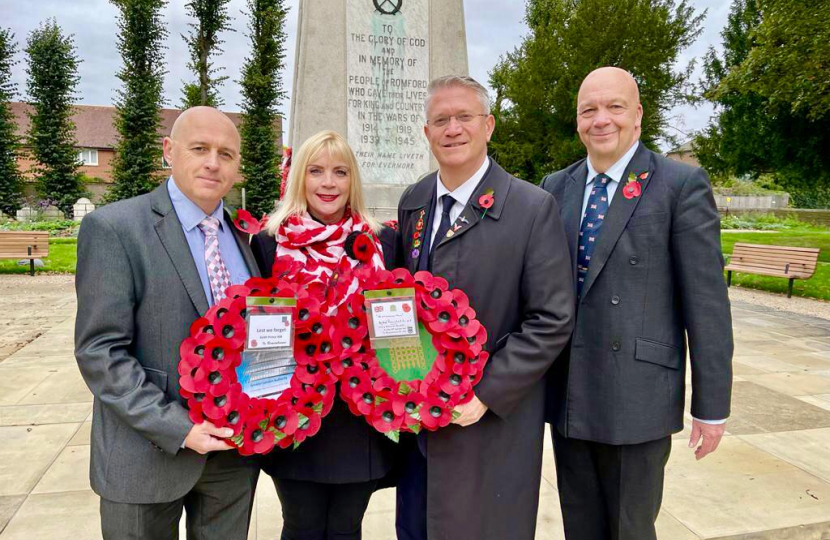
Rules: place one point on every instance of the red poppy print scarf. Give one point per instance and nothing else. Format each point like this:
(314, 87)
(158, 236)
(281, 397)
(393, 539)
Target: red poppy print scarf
(321, 250)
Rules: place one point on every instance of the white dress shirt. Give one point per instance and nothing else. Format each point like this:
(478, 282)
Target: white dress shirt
(461, 194)
(616, 172)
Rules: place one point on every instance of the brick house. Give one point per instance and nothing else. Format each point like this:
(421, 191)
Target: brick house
(96, 136)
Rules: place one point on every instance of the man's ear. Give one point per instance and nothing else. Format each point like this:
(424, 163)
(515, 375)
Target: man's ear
(639, 121)
(490, 124)
(167, 150)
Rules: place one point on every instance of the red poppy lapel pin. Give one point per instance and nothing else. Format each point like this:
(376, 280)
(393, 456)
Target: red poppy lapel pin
(245, 222)
(486, 201)
(633, 188)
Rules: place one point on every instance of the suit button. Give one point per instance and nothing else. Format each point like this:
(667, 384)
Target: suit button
(633, 260)
(616, 346)
(615, 299)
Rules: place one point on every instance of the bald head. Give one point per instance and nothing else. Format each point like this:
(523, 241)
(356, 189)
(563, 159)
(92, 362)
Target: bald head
(609, 115)
(203, 152)
(610, 77)
(198, 117)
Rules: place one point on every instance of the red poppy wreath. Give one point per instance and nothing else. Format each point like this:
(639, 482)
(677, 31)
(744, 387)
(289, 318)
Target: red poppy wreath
(458, 338)
(328, 349)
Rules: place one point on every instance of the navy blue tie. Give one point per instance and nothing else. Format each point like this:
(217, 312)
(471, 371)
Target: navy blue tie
(447, 201)
(592, 220)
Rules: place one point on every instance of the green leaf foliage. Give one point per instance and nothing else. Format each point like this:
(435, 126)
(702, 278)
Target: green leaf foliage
(262, 94)
(11, 181)
(204, 43)
(137, 162)
(52, 78)
(537, 84)
(394, 435)
(771, 89)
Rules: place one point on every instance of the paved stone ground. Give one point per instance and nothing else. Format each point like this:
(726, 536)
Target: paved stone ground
(770, 478)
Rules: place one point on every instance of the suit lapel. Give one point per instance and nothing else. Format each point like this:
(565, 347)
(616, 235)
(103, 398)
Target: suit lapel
(170, 232)
(572, 210)
(242, 241)
(495, 180)
(417, 206)
(618, 215)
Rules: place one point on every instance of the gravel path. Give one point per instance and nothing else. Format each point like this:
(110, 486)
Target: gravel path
(780, 302)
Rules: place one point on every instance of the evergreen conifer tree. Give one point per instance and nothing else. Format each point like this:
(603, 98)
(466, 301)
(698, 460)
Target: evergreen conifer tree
(203, 42)
(262, 94)
(52, 78)
(137, 162)
(11, 181)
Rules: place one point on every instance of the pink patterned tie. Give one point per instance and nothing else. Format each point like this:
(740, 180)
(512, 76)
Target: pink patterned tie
(216, 271)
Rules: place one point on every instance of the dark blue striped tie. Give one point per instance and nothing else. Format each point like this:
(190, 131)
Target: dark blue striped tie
(592, 220)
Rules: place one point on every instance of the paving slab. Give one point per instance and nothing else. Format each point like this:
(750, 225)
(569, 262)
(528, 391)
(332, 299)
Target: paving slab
(26, 415)
(793, 384)
(69, 472)
(27, 452)
(740, 489)
(758, 409)
(65, 385)
(8, 507)
(807, 449)
(82, 436)
(56, 516)
(17, 383)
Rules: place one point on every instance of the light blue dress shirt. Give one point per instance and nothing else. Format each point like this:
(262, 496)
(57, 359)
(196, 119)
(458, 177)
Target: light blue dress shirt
(190, 216)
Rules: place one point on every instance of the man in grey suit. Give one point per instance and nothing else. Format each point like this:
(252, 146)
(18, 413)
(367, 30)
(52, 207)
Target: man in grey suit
(147, 268)
(643, 232)
(499, 239)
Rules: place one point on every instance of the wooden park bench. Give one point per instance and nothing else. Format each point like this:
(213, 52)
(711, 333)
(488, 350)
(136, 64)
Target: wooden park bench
(777, 261)
(24, 245)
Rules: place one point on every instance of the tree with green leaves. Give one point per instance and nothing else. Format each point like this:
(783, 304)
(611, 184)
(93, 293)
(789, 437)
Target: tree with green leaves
(52, 78)
(771, 89)
(11, 181)
(204, 43)
(141, 38)
(537, 84)
(262, 94)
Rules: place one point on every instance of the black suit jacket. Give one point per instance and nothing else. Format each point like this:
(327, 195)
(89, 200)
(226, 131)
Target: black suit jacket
(346, 449)
(513, 263)
(654, 285)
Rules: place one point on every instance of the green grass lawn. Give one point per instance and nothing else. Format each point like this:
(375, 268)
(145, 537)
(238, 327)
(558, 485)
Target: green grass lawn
(817, 286)
(61, 259)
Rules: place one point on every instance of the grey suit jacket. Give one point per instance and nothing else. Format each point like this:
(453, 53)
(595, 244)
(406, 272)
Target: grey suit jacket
(655, 279)
(514, 265)
(138, 292)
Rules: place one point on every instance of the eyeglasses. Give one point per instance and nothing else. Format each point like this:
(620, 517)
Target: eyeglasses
(464, 118)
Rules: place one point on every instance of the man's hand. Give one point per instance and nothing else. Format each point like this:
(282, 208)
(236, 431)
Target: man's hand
(711, 433)
(470, 413)
(206, 437)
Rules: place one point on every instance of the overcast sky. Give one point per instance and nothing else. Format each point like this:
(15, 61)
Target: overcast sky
(493, 28)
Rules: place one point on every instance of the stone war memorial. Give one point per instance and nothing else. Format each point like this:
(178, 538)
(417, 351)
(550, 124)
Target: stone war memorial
(362, 69)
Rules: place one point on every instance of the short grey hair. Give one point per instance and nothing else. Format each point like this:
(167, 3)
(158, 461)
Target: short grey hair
(463, 81)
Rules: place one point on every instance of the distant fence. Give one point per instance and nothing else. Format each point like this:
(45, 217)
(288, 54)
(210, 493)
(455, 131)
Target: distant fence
(765, 202)
(817, 217)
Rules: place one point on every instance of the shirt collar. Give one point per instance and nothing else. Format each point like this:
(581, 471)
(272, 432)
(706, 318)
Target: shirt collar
(617, 170)
(188, 213)
(463, 192)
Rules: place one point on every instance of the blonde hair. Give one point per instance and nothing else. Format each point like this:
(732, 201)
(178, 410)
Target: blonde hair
(294, 201)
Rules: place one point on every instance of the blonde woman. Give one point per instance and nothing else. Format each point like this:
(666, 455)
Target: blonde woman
(324, 485)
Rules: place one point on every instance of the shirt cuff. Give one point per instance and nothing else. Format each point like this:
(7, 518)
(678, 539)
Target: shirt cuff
(713, 422)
